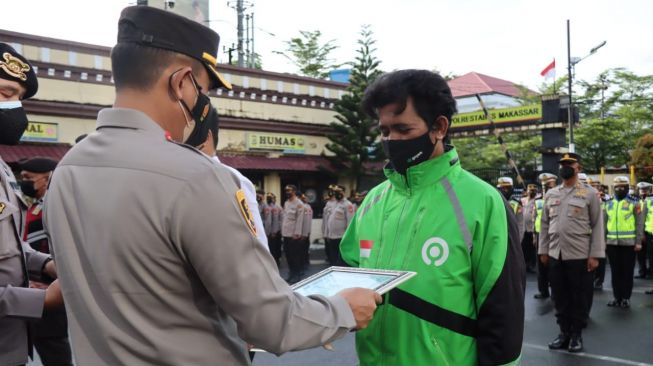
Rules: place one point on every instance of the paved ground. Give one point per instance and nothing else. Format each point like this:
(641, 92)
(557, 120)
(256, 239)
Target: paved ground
(613, 337)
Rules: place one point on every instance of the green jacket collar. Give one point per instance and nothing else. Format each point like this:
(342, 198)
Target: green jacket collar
(425, 174)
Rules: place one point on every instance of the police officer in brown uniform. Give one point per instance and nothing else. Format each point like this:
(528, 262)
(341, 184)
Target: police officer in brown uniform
(19, 263)
(172, 270)
(291, 230)
(571, 241)
(272, 217)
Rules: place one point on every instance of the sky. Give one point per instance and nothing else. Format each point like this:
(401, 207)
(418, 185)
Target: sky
(509, 39)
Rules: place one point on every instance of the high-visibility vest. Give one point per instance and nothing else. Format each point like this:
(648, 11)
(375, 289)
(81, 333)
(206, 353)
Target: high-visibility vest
(515, 206)
(621, 219)
(648, 224)
(539, 205)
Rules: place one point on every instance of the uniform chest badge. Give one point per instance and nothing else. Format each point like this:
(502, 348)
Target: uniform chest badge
(245, 211)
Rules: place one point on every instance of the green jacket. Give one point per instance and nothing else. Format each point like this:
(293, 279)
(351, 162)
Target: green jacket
(466, 304)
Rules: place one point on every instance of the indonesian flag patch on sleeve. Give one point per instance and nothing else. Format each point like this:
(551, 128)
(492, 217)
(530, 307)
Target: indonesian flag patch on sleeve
(366, 248)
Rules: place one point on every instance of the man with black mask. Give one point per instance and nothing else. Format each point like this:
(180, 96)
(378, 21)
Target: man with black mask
(172, 272)
(623, 239)
(571, 212)
(548, 181)
(433, 217)
(19, 263)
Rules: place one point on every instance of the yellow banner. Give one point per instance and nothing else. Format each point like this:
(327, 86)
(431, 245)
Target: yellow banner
(504, 115)
(41, 132)
(273, 141)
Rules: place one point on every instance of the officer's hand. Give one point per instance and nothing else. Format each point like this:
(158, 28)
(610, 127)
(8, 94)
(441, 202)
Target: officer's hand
(53, 296)
(544, 258)
(638, 247)
(592, 263)
(362, 303)
(50, 269)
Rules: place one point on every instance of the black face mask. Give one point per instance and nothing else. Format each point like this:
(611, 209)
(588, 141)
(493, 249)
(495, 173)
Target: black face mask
(620, 193)
(27, 187)
(288, 195)
(204, 116)
(406, 153)
(339, 196)
(13, 122)
(507, 193)
(567, 172)
(269, 201)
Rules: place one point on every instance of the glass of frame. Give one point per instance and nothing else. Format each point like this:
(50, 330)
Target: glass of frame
(334, 279)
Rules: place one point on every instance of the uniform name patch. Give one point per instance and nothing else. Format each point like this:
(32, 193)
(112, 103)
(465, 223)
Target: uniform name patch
(245, 211)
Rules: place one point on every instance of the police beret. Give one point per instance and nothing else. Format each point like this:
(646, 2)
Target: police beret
(570, 157)
(644, 185)
(153, 27)
(38, 165)
(15, 67)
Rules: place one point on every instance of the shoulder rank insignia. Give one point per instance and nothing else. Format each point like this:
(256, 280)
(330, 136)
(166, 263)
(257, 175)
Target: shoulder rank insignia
(245, 211)
(14, 66)
(2, 207)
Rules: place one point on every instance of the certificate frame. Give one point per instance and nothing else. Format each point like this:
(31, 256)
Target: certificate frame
(371, 278)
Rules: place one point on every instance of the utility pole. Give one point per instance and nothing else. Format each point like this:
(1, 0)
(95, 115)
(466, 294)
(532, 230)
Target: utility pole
(240, 9)
(603, 88)
(253, 63)
(570, 107)
(247, 37)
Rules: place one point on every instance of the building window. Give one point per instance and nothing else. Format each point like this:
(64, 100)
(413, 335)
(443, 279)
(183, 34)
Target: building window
(295, 88)
(280, 86)
(17, 46)
(50, 72)
(66, 73)
(84, 76)
(72, 58)
(245, 81)
(98, 62)
(264, 84)
(311, 90)
(99, 77)
(45, 54)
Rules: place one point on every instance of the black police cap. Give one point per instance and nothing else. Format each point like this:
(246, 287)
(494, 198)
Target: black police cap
(153, 27)
(15, 67)
(569, 158)
(38, 165)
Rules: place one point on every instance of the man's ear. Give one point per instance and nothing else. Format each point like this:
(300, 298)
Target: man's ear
(440, 127)
(177, 80)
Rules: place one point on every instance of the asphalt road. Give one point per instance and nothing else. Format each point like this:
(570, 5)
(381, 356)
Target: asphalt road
(613, 336)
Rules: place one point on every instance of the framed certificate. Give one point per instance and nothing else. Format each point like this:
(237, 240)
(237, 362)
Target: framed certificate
(334, 279)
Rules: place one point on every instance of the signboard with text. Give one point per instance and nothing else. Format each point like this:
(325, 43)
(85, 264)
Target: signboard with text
(505, 115)
(273, 141)
(41, 132)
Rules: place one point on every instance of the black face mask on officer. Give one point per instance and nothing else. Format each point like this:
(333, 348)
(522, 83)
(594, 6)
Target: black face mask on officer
(507, 192)
(203, 117)
(620, 192)
(13, 122)
(567, 172)
(406, 153)
(269, 200)
(532, 194)
(27, 187)
(339, 196)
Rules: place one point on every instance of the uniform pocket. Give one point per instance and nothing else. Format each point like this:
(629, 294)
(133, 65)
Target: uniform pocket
(7, 229)
(577, 209)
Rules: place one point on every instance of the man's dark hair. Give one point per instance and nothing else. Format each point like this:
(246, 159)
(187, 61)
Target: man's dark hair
(139, 67)
(429, 92)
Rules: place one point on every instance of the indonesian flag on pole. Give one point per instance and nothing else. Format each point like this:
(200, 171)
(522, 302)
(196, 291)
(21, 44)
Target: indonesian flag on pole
(366, 248)
(549, 71)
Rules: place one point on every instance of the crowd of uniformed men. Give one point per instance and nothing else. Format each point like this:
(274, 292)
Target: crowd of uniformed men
(568, 231)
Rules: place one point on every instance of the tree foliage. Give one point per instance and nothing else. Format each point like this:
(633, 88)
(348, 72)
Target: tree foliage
(310, 55)
(642, 157)
(354, 141)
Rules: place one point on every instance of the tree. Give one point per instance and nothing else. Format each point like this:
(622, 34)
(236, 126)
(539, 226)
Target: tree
(310, 55)
(354, 141)
(481, 152)
(642, 157)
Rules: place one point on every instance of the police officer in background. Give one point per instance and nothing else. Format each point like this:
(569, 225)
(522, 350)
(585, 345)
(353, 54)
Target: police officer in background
(341, 214)
(326, 212)
(292, 230)
(19, 263)
(50, 333)
(528, 243)
(599, 274)
(623, 239)
(644, 256)
(505, 186)
(172, 270)
(272, 218)
(548, 181)
(571, 241)
(646, 195)
(306, 231)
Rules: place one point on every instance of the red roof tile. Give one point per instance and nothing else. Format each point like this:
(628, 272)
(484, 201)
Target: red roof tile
(473, 83)
(15, 153)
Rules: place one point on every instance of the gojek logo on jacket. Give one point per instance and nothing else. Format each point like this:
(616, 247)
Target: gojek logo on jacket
(435, 251)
